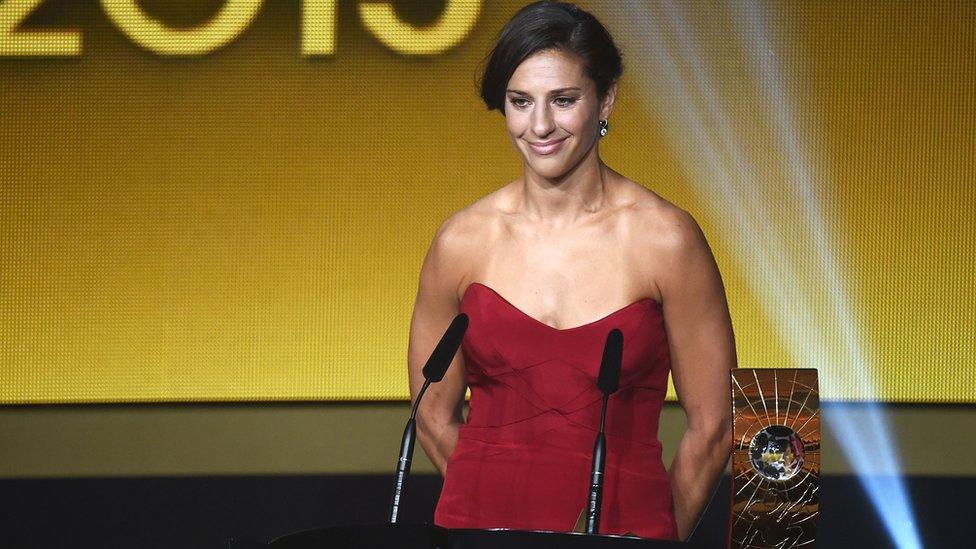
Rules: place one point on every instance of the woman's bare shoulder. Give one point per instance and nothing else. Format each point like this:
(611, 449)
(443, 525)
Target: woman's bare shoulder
(462, 238)
(666, 240)
(660, 224)
(471, 225)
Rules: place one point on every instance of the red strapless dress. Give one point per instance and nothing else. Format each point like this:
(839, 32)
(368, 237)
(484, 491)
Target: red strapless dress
(523, 456)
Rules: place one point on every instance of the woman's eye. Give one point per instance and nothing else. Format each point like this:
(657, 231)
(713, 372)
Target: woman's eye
(521, 102)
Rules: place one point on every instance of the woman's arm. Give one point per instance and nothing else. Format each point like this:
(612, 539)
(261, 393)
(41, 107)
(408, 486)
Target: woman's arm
(439, 416)
(702, 350)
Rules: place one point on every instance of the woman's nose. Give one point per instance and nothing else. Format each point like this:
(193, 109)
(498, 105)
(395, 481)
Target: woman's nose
(542, 121)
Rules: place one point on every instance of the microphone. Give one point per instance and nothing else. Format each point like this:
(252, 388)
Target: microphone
(434, 371)
(608, 381)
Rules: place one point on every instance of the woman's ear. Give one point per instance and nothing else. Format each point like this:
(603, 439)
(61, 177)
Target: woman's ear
(606, 106)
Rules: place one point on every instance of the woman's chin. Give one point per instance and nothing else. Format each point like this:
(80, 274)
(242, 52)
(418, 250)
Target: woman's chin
(550, 168)
(549, 172)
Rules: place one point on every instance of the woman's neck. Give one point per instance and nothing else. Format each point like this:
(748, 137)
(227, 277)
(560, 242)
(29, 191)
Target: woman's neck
(579, 194)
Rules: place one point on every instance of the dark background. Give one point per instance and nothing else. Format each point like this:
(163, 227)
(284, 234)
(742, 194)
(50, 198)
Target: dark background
(192, 512)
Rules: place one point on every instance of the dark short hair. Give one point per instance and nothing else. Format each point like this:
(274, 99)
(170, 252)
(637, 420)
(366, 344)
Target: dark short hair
(548, 25)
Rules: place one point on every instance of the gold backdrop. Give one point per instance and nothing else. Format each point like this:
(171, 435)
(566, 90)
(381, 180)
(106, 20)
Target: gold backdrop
(210, 201)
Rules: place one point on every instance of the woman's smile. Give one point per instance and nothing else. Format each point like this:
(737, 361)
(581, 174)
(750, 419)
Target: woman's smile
(545, 148)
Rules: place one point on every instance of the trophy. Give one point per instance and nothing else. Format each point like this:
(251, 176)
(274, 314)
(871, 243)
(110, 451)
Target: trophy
(775, 458)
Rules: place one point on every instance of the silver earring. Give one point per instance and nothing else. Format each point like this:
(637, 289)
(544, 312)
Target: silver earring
(604, 127)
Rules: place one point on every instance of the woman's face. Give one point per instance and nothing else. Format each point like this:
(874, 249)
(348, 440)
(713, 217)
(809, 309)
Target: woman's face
(552, 112)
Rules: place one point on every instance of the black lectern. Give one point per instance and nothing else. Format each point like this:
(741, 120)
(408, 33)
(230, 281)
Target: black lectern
(368, 536)
(519, 539)
(425, 536)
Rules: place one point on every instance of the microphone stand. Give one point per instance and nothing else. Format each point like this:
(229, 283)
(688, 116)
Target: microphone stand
(437, 365)
(608, 382)
(596, 474)
(406, 455)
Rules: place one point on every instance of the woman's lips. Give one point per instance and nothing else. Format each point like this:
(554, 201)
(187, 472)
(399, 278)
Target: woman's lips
(549, 148)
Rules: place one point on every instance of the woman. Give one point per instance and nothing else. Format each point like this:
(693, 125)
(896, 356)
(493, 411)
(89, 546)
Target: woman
(533, 264)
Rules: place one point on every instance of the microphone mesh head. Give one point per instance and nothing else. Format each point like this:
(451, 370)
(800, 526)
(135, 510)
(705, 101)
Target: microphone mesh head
(609, 378)
(446, 348)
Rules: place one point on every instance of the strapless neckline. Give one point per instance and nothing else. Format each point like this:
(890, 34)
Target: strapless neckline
(601, 320)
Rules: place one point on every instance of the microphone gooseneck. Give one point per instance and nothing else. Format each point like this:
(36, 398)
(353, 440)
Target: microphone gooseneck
(434, 370)
(608, 381)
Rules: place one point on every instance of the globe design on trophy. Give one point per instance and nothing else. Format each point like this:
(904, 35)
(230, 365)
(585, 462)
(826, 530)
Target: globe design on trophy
(776, 458)
(776, 452)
